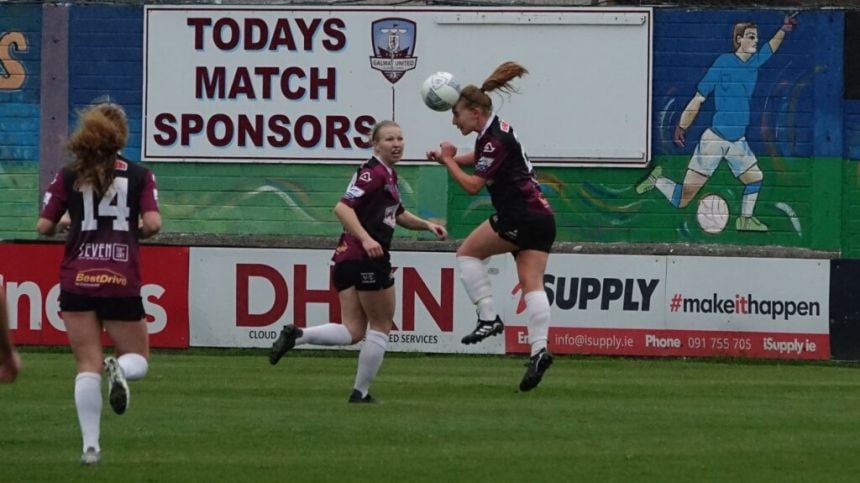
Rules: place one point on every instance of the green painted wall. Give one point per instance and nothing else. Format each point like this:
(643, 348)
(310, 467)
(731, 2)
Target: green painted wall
(271, 199)
(800, 202)
(19, 200)
(850, 226)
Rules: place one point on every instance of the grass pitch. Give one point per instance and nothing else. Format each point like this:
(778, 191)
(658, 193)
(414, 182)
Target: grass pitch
(230, 416)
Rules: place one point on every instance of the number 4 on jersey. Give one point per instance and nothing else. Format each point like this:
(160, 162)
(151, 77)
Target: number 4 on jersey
(113, 205)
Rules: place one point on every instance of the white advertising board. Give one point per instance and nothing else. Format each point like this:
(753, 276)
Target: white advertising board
(601, 304)
(306, 84)
(748, 294)
(242, 297)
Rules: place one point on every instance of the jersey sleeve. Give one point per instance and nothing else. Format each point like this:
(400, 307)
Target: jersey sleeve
(55, 202)
(363, 184)
(763, 55)
(489, 157)
(149, 195)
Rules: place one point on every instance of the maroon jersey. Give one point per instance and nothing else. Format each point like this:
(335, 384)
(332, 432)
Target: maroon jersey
(500, 159)
(373, 194)
(101, 257)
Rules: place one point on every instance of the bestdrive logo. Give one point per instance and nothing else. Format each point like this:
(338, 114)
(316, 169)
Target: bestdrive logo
(744, 305)
(99, 277)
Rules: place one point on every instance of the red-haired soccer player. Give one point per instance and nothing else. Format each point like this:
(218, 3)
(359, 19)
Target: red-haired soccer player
(112, 202)
(523, 225)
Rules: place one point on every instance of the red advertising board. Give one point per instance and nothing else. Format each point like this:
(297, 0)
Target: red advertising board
(675, 343)
(29, 272)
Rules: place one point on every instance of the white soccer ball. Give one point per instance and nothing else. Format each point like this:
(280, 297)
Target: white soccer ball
(440, 91)
(712, 213)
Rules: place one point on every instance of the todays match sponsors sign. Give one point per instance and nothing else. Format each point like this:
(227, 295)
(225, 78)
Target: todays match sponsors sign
(242, 298)
(684, 306)
(30, 273)
(306, 84)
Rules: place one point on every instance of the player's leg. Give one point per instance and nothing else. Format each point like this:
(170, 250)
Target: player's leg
(84, 332)
(10, 362)
(379, 307)
(350, 331)
(744, 165)
(706, 157)
(123, 319)
(693, 182)
(531, 266)
(482, 243)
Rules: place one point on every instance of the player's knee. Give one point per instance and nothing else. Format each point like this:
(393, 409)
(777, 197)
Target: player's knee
(356, 331)
(134, 366)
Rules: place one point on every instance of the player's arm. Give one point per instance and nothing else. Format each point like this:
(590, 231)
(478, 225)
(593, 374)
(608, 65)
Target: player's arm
(465, 159)
(351, 223)
(10, 363)
(788, 25)
(447, 155)
(687, 118)
(150, 224)
(413, 222)
(48, 227)
(54, 216)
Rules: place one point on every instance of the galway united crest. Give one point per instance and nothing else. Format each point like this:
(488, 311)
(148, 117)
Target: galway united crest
(393, 47)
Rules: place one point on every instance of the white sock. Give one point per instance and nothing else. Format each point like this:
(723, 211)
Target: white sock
(537, 310)
(88, 402)
(326, 334)
(473, 275)
(370, 360)
(666, 186)
(134, 366)
(748, 203)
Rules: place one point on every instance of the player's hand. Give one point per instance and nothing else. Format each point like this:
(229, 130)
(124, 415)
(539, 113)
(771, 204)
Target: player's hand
(372, 248)
(438, 230)
(433, 154)
(64, 223)
(10, 367)
(680, 136)
(448, 150)
(789, 22)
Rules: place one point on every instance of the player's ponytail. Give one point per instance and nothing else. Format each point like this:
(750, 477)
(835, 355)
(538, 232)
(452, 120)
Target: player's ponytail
(101, 133)
(501, 78)
(473, 96)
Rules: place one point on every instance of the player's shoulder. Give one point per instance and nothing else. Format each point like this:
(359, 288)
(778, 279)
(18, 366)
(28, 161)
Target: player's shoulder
(132, 169)
(727, 59)
(66, 175)
(369, 171)
(376, 166)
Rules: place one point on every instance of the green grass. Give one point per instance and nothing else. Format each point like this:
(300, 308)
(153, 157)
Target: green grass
(230, 416)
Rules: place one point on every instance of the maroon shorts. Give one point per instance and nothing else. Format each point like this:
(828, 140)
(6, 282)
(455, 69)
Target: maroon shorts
(367, 274)
(106, 308)
(528, 233)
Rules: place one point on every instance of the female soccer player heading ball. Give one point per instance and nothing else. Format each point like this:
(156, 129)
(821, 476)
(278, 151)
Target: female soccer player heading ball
(523, 225)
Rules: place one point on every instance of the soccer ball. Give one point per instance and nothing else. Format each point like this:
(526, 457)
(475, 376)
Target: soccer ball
(440, 91)
(712, 213)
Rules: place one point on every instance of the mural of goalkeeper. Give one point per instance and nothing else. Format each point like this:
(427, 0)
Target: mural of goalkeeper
(731, 79)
